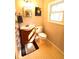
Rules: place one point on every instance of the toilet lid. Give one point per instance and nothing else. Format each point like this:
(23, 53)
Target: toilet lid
(43, 35)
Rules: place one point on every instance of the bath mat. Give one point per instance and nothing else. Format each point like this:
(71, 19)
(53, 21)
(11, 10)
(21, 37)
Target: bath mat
(29, 48)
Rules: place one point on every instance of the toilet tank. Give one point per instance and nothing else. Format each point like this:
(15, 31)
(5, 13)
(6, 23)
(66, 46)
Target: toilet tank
(39, 29)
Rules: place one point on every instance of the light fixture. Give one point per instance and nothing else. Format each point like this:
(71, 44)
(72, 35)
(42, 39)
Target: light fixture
(26, 0)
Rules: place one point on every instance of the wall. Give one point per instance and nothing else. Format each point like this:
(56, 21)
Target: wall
(34, 19)
(54, 31)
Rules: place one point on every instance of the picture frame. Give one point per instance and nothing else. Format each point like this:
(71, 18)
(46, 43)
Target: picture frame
(27, 12)
(37, 11)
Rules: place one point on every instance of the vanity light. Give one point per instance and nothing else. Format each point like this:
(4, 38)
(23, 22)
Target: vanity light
(26, 0)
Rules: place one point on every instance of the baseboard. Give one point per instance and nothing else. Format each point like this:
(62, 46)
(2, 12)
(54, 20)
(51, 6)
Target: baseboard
(56, 47)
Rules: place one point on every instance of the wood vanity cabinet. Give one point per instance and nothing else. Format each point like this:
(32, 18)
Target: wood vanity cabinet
(24, 36)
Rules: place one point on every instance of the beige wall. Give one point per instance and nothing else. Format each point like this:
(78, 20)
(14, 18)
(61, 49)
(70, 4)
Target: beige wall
(34, 19)
(54, 31)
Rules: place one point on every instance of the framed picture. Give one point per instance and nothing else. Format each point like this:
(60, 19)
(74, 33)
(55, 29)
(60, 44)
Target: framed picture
(37, 11)
(27, 12)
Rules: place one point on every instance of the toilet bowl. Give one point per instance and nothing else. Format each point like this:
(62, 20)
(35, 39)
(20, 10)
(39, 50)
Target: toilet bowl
(42, 38)
(42, 35)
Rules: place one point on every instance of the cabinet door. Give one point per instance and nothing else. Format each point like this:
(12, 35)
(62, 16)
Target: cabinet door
(24, 36)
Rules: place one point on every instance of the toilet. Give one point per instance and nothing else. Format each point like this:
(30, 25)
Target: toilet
(41, 35)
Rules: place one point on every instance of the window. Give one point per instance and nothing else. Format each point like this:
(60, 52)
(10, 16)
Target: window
(56, 12)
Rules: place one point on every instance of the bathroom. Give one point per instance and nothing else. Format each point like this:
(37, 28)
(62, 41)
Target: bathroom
(53, 31)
